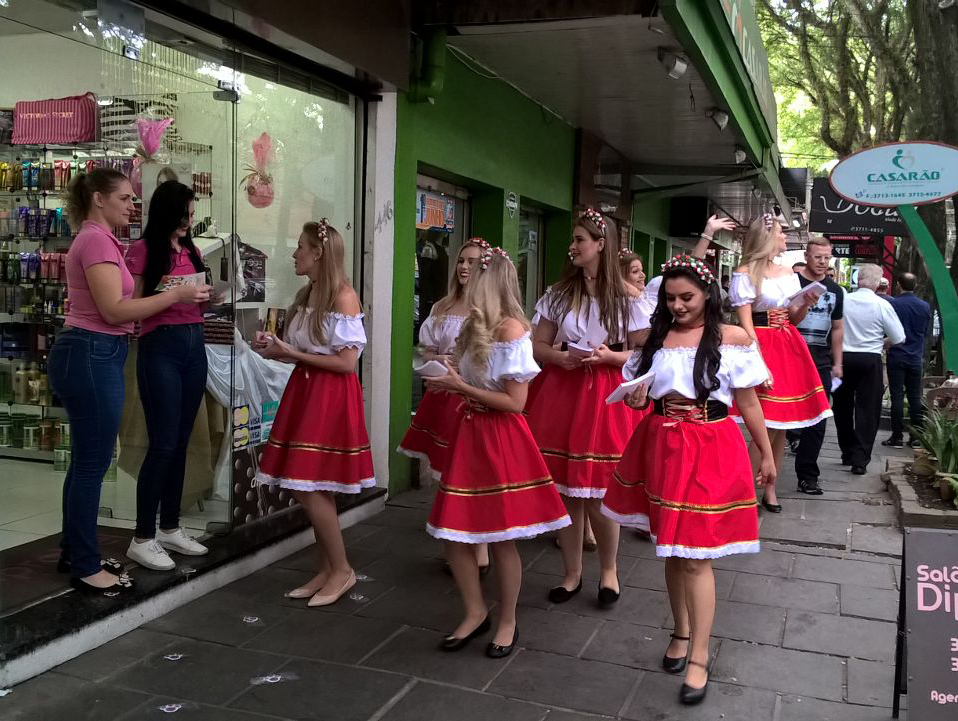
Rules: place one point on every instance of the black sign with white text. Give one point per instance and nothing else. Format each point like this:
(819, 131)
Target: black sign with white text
(931, 622)
(833, 214)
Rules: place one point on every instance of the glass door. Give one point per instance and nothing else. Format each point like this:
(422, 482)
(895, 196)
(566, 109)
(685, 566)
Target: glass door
(530, 261)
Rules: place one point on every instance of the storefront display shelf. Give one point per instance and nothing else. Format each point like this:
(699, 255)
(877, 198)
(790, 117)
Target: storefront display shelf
(26, 454)
(27, 405)
(33, 191)
(33, 319)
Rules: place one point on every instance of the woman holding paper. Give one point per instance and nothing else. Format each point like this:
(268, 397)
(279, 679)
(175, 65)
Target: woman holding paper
(495, 487)
(685, 475)
(318, 443)
(170, 373)
(769, 299)
(86, 364)
(594, 316)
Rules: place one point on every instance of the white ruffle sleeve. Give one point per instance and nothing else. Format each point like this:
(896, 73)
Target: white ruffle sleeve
(740, 290)
(630, 371)
(513, 361)
(428, 335)
(345, 331)
(542, 307)
(746, 367)
(638, 314)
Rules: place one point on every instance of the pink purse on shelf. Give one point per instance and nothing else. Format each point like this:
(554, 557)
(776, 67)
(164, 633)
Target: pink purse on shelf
(60, 121)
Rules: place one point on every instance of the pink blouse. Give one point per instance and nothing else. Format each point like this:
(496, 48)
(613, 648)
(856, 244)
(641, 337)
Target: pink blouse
(94, 244)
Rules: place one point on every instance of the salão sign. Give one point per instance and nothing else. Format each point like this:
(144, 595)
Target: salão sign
(913, 173)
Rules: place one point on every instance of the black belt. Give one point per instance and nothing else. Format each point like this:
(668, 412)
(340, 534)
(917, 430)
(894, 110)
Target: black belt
(689, 410)
(776, 319)
(615, 347)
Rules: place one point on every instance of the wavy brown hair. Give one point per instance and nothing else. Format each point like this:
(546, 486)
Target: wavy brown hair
(332, 278)
(569, 293)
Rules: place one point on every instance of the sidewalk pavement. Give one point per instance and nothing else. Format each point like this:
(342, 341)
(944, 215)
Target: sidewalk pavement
(804, 631)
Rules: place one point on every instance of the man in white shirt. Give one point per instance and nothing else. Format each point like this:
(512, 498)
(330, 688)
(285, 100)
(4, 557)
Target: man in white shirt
(871, 325)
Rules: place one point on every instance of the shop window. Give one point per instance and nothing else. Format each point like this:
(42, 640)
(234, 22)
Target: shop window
(530, 262)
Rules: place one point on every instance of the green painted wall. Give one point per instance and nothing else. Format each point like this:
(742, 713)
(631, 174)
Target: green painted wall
(490, 138)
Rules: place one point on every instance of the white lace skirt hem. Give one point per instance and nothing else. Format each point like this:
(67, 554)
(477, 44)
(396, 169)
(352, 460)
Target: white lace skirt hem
(510, 534)
(264, 479)
(422, 458)
(580, 492)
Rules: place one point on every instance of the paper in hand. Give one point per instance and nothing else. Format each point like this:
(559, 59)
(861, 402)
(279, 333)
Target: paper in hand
(813, 287)
(168, 282)
(431, 369)
(580, 350)
(835, 383)
(624, 389)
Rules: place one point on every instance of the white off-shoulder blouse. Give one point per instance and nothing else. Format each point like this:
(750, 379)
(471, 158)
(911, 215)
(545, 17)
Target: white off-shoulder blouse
(585, 327)
(508, 361)
(439, 333)
(775, 291)
(341, 331)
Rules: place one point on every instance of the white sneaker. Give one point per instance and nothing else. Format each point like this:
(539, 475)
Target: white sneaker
(180, 542)
(150, 554)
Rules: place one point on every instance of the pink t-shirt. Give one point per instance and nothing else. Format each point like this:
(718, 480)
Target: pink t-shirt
(94, 244)
(178, 313)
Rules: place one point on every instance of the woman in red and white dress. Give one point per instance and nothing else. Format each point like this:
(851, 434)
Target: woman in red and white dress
(763, 294)
(428, 436)
(318, 443)
(685, 475)
(495, 488)
(580, 437)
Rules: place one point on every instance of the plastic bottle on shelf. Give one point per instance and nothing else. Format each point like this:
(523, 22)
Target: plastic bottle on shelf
(33, 384)
(19, 386)
(110, 474)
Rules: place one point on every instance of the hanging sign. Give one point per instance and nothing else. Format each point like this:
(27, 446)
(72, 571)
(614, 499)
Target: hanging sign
(930, 586)
(512, 204)
(913, 173)
(831, 213)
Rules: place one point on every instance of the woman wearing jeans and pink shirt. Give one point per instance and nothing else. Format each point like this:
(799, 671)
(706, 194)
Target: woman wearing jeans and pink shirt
(171, 374)
(86, 363)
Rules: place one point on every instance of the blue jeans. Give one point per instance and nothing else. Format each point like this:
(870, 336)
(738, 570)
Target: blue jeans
(904, 379)
(86, 373)
(171, 374)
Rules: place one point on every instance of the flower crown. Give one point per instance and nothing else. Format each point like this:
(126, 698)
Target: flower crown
(768, 219)
(486, 257)
(479, 243)
(322, 229)
(625, 253)
(595, 216)
(699, 267)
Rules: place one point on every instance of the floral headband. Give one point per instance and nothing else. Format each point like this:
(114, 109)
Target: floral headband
(322, 230)
(625, 253)
(479, 243)
(768, 219)
(699, 267)
(595, 216)
(486, 257)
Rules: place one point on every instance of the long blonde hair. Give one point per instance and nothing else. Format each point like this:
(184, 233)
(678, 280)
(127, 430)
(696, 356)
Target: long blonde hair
(456, 290)
(332, 277)
(492, 296)
(759, 247)
(570, 293)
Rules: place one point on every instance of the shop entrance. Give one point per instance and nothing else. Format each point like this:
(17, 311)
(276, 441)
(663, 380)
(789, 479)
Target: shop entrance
(531, 258)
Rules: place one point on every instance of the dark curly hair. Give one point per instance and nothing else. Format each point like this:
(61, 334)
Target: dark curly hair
(707, 357)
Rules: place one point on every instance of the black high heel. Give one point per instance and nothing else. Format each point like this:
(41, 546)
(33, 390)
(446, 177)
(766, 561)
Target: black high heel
(672, 664)
(451, 643)
(494, 650)
(771, 507)
(607, 597)
(560, 594)
(691, 696)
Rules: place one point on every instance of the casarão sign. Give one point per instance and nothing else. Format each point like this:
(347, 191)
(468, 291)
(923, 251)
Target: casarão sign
(911, 173)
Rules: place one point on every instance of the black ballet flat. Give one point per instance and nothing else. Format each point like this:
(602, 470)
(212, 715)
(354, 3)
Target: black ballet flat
(123, 585)
(483, 570)
(771, 507)
(607, 597)
(107, 564)
(672, 664)
(494, 650)
(451, 643)
(691, 696)
(560, 594)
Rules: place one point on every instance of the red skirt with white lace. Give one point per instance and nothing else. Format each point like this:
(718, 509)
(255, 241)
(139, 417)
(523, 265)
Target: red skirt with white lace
(318, 441)
(495, 486)
(689, 483)
(579, 435)
(428, 436)
(796, 398)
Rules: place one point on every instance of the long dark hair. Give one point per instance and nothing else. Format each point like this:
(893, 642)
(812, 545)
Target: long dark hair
(570, 293)
(169, 210)
(708, 357)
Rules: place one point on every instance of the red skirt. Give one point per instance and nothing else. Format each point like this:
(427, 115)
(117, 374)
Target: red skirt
(496, 486)
(796, 398)
(580, 437)
(318, 441)
(428, 436)
(690, 485)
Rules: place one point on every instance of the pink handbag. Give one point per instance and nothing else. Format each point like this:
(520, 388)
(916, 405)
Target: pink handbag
(60, 121)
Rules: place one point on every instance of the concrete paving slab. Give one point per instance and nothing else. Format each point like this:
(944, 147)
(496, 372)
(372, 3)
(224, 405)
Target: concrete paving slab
(54, 697)
(840, 635)
(869, 603)
(433, 701)
(877, 539)
(844, 571)
(811, 709)
(786, 593)
(778, 669)
(871, 683)
(657, 698)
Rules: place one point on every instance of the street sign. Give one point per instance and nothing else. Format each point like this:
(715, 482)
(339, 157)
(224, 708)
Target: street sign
(831, 213)
(930, 654)
(913, 173)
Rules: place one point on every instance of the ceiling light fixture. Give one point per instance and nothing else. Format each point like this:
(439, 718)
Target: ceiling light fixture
(719, 117)
(675, 65)
(740, 156)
